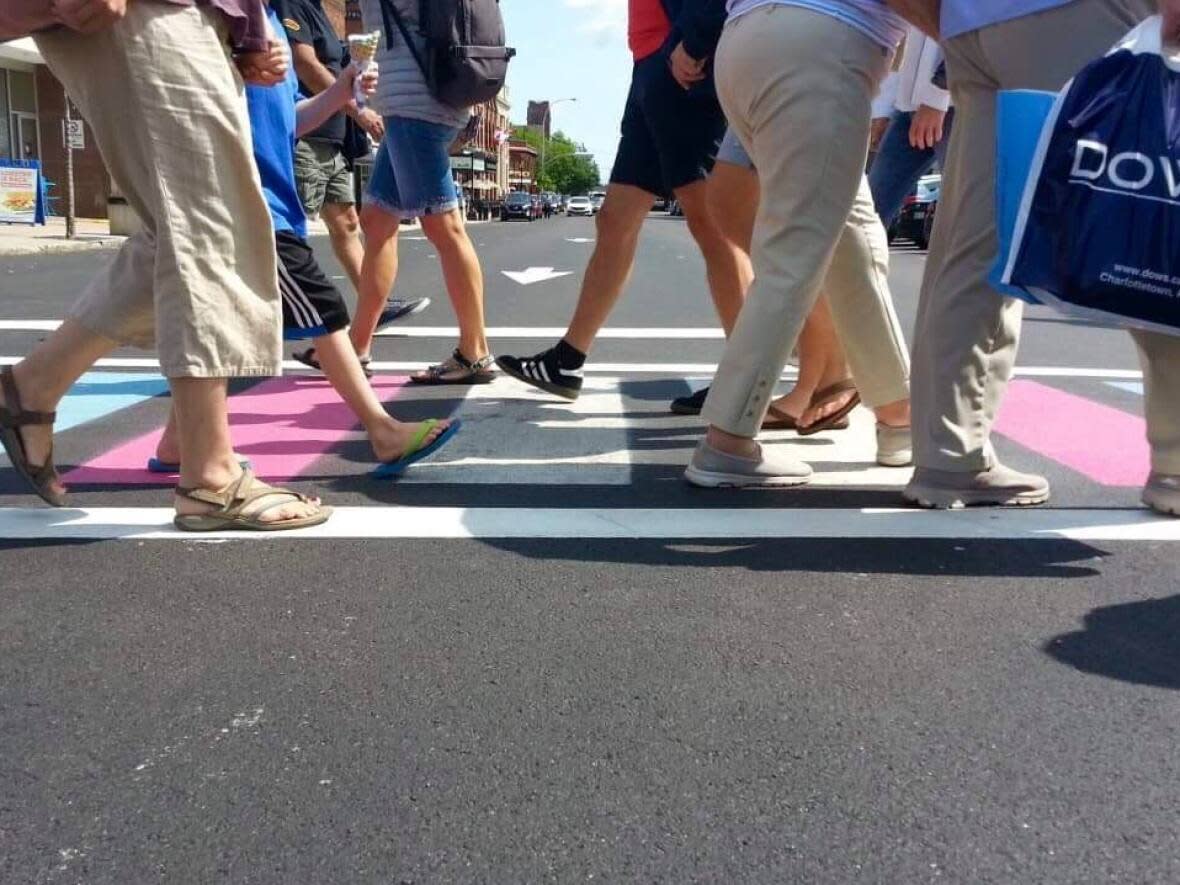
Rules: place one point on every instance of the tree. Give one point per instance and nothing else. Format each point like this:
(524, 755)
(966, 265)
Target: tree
(568, 168)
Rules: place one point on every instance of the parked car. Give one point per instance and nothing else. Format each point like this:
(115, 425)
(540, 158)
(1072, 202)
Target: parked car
(660, 204)
(517, 204)
(916, 219)
(597, 198)
(579, 206)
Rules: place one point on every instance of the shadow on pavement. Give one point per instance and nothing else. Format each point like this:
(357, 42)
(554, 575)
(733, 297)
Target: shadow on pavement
(1057, 559)
(1134, 642)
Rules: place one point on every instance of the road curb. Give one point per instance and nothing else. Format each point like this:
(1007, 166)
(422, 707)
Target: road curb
(54, 247)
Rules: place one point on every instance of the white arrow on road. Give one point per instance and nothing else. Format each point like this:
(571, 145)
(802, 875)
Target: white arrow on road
(579, 239)
(535, 275)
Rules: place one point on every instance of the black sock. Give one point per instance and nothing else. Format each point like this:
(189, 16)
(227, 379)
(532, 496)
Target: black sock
(568, 356)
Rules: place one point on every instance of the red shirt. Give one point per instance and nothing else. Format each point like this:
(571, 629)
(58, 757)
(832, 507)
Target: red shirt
(647, 27)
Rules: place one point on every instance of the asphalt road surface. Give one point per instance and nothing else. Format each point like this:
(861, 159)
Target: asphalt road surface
(541, 657)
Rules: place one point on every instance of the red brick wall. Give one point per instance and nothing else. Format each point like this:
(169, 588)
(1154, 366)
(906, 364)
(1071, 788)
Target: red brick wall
(91, 181)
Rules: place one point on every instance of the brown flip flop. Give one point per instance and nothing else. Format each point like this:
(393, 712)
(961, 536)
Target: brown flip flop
(838, 420)
(13, 417)
(777, 419)
(242, 507)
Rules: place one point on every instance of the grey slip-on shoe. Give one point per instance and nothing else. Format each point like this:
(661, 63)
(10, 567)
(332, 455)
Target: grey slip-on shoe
(713, 469)
(998, 487)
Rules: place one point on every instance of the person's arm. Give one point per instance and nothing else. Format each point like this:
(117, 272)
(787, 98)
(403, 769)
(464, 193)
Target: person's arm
(924, 14)
(1170, 10)
(19, 18)
(311, 113)
(699, 26)
(316, 77)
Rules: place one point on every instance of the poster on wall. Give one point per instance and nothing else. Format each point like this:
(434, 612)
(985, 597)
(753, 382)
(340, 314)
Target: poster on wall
(19, 191)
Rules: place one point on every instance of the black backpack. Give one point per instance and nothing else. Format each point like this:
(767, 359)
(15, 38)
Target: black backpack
(466, 61)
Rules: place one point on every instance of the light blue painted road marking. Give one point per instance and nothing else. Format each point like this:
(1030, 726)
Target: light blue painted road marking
(98, 394)
(1129, 386)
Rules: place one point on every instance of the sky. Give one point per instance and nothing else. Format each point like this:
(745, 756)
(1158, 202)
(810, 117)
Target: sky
(572, 49)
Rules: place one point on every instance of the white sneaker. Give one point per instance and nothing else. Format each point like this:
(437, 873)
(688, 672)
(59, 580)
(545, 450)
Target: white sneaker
(712, 469)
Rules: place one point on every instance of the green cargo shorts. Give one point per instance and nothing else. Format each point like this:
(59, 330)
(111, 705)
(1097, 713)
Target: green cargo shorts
(322, 176)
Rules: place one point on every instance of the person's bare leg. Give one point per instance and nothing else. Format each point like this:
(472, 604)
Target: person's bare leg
(378, 274)
(618, 224)
(389, 437)
(732, 196)
(727, 261)
(43, 377)
(344, 230)
(463, 277)
(206, 453)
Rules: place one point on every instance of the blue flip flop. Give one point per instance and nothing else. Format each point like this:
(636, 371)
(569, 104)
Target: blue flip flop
(155, 465)
(394, 469)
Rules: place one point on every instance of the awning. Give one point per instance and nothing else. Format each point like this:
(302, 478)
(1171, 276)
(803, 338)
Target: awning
(23, 50)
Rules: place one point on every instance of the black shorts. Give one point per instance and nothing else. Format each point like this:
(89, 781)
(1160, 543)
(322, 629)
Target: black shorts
(670, 135)
(312, 306)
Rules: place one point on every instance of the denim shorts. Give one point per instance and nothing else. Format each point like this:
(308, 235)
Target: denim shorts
(732, 151)
(412, 171)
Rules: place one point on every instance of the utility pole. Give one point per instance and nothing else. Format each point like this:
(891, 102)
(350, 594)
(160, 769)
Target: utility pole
(70, 224)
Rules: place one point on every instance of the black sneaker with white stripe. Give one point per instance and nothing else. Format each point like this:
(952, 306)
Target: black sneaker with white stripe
(543, 371)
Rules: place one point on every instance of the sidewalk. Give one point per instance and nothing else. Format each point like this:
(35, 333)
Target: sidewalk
(50, 239)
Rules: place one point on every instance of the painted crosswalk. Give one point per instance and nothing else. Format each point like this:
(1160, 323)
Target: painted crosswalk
(619, 435)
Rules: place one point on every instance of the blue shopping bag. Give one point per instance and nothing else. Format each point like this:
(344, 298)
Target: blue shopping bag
(1097, 229)
(1020, 119)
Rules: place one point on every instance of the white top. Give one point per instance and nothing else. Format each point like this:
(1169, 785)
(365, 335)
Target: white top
(920, 60)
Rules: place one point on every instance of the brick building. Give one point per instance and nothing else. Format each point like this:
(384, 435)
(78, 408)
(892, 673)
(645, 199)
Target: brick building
(522, 175)
(32, 113)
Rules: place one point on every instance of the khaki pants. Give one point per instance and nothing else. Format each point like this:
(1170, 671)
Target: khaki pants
(797, 87)
(966, 336)
(167, 110)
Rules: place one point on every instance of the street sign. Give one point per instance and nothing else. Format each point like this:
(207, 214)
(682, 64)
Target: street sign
(74, 134)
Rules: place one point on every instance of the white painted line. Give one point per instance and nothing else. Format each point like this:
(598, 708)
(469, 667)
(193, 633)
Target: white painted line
(641, 333)
(531, 275)
(154, 523)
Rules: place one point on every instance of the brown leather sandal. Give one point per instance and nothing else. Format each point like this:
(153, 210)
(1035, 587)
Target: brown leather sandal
(13, 417)
(779, 419)
(838, 419)
(241, 506)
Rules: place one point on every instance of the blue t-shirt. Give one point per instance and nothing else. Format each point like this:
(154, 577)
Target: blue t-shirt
(962, 16)
(272, 123)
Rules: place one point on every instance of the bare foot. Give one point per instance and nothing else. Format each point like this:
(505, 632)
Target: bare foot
(295, 508)
(392, 439)
(36, 438)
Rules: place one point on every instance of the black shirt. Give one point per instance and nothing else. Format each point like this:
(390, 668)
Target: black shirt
(305, 22)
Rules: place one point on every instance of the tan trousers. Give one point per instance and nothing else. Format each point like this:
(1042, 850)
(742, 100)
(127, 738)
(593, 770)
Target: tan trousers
(168, 112)
(966, 336)
(797, 87)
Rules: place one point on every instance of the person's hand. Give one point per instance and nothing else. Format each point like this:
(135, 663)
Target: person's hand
(1170, 10)
(877, 131)
(370, 121)
(926, 128)
(266, 68)
(88, 16)
(686, 70)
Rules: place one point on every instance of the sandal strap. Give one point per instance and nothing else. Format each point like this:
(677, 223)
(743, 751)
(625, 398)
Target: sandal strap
(833, 390)
(12, 413)
(234, 500)
(478, 365)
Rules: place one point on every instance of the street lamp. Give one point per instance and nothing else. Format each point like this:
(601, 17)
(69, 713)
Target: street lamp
(544, 128)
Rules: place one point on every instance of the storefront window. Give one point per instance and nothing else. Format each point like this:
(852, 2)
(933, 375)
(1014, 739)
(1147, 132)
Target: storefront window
(22, 91)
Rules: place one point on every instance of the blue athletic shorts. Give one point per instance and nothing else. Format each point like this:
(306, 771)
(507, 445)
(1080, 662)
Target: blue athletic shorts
(670, 135)
(412, 171)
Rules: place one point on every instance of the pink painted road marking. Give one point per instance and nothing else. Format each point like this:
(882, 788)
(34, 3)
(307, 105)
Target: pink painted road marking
(1104, 444)
(283, 426)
